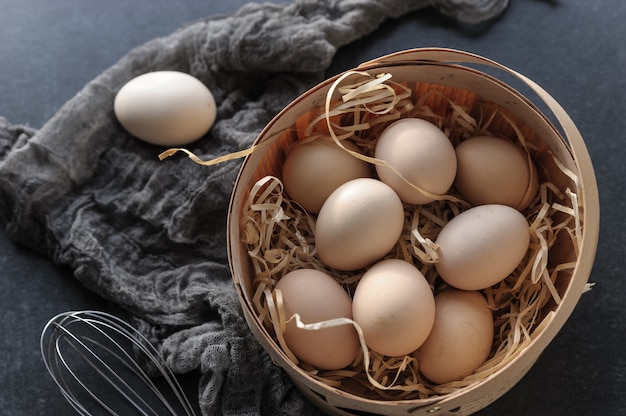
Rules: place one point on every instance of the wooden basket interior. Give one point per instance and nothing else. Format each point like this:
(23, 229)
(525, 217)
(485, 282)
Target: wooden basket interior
(481, 95)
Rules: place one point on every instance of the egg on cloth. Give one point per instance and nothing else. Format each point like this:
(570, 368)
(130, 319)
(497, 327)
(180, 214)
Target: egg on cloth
(359, 223)
(482, 246)
(394, 306)
(421, 153)
(165, 108)
(313, 170)
(317, 297)
(461, 337)
(493, 170)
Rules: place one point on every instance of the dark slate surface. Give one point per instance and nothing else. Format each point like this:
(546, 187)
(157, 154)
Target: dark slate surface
(573, 48)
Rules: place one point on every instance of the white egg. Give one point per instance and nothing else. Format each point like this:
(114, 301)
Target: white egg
(165, 108)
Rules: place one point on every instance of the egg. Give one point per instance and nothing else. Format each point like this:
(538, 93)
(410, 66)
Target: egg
(394, 306)
(358, 224)
(165, 108)
(481, 246)
(317, 297)
(421, 153)
(461, 338)
(313, 170)
(492, 170)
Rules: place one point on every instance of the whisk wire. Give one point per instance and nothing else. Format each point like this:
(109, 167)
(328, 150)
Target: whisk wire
(103, 369)
(92, 337)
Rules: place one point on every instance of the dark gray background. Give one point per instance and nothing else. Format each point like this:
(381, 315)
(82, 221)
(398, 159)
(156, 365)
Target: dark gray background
(574, 48)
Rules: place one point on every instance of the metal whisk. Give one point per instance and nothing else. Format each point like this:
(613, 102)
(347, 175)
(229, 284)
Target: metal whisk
(93, 357)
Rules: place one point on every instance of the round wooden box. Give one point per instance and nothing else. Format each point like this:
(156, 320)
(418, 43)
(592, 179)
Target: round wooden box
(454, 75)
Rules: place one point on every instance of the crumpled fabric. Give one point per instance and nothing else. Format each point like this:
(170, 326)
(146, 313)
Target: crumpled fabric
(149, 235)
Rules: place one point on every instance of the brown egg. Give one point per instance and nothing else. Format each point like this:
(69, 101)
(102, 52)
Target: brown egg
(394, 306)
(358, 224)
(492, 170)
(482, 246)
(421, 153)
(317, 297)
(461, 338)
(313, 170)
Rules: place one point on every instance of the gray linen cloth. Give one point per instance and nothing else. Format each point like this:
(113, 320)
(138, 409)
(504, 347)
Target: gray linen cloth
(149, 236)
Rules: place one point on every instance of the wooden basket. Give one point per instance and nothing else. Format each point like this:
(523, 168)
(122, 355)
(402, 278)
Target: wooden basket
(454, 75)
